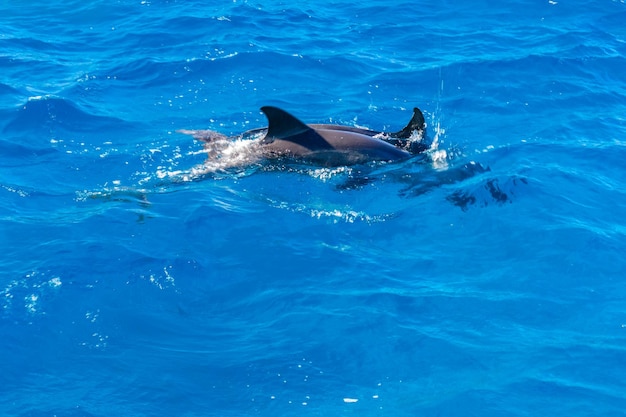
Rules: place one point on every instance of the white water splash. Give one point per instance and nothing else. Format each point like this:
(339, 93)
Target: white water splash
(31, 289)
(326, 174)
(439, 157)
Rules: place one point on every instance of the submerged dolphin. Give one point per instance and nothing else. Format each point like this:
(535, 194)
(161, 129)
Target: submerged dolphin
(326, 144)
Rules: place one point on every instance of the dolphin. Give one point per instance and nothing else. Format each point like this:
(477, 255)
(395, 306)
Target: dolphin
(328, 144)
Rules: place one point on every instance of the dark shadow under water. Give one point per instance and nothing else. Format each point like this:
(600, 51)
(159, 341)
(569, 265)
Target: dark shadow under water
(420, 177)
(285, 184)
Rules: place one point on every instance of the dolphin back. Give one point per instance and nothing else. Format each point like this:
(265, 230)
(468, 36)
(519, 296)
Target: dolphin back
(288, 136)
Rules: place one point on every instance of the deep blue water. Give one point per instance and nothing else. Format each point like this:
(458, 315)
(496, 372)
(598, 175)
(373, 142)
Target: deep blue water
(486, 278)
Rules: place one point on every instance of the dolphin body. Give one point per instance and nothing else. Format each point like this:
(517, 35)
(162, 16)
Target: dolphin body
(332, 144)
(327, 144)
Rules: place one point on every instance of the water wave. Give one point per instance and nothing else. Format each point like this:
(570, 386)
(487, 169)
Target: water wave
(49, 114)
(472, 279)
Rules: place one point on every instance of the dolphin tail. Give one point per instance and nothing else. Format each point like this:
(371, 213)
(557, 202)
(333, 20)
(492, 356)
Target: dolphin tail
(417, 122)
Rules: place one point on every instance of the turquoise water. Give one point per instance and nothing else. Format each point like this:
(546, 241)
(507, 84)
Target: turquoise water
(485, 277)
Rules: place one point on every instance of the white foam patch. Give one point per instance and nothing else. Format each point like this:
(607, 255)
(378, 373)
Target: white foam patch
(439, 157)
(325, 174)
(55, 282)
(31, 303)
(222, 155)
(17, 191)
(162, 282)
(233, 154)
(336, 215)
(32, 289)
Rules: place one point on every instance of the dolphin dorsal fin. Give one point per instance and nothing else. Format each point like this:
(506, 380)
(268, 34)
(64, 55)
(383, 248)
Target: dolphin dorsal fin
(282, 125)
(417, 122)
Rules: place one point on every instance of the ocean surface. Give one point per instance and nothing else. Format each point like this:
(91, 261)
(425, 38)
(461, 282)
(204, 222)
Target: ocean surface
(484, 277)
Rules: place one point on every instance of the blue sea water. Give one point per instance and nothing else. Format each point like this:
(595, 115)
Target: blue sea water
(486, 278)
